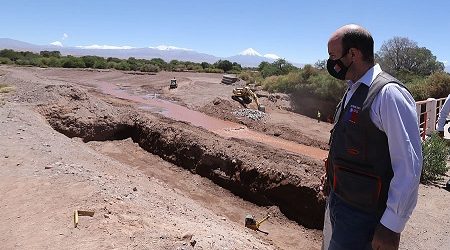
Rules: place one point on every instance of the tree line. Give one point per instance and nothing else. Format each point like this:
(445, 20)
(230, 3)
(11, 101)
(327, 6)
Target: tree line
(55, 59)
(415, 66)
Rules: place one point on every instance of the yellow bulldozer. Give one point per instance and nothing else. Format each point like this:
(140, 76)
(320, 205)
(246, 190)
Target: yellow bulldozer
(244, 95)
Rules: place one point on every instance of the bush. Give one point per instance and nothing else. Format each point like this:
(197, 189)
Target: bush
(5, 60)
(434, 159)
(122, 66)
(72, 62)
(149, 68)
(211, 70)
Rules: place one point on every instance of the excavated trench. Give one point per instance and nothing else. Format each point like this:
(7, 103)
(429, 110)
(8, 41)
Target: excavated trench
(259, 173)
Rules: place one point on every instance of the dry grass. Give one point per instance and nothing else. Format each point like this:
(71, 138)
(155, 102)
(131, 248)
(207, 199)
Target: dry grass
(5, 88)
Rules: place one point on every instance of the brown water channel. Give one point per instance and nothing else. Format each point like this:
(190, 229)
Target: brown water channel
(223, 128)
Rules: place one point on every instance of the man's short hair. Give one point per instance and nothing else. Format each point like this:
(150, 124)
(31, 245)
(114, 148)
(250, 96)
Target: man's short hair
(361, 40)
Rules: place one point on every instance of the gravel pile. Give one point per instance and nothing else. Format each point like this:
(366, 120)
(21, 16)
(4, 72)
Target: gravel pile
(250, 113)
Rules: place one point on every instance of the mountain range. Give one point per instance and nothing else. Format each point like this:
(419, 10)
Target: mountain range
(247, 58)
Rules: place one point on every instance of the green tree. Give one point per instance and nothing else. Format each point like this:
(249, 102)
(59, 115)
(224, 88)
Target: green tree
(47, 53)
(73, 62)
(401, 55)
(159, 62)
(10, 54)
(225, 65)
(320, 64)
(123, 65)
(205, 65)
(149, 68)
(113, 59)
(89, 61)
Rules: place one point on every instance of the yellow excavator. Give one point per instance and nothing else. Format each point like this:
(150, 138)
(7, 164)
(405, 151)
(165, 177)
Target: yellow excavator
(245, 96)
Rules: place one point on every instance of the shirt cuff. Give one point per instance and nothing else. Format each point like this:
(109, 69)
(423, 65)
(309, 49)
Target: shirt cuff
(393, 221)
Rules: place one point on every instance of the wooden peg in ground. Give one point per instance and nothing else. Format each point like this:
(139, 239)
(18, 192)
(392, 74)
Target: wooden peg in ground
(77, 213)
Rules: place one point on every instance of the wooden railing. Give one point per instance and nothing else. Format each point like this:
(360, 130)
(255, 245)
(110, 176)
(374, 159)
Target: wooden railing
(427, 114)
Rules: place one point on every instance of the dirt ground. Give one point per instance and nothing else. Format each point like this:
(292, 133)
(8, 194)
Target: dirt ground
(155, 182)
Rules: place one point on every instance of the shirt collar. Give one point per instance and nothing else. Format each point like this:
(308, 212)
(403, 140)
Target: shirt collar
(369, 76)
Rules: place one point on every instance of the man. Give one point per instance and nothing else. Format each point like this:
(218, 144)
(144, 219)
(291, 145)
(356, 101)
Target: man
(375, 157)
(443, 114)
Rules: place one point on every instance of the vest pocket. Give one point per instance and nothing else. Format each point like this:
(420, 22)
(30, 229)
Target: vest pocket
(356, 187)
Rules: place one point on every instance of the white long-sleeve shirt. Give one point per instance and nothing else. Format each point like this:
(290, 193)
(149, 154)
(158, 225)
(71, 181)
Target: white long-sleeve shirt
(393, 111)
(443, 114)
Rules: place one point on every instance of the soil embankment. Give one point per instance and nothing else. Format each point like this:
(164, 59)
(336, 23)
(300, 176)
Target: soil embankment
(258, 173)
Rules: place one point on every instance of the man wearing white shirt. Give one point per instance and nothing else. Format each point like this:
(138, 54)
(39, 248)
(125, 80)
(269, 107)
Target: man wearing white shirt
(443, 115)
(375, 157)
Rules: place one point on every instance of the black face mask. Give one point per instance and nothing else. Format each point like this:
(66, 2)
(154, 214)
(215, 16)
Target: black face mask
(331, 64)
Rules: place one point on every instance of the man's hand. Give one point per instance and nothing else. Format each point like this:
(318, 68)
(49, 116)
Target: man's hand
(385, 239)
(324, 186)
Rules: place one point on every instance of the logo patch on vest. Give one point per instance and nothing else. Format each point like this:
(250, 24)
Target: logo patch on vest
(353, 114)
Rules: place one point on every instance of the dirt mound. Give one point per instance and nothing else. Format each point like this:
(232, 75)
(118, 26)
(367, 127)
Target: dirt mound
(221, 108)
(232, 110)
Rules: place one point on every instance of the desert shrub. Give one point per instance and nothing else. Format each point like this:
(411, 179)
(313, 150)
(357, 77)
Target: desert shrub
(149, 68)
(55, 62)
(251, 77)
(73, 62)
(100, 64)
(436, 85)
(122, 66)
(225, 65)
(111, 65)
(435, 153)
(284, 84)
(23, 62)
(211, 70)
(5, 60)
(47, 53)
(234, 71)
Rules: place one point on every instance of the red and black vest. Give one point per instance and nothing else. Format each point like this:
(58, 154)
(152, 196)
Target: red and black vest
(359, 165)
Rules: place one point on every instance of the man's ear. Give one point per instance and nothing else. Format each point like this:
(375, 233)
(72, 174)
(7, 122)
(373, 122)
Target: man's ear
(355, 53)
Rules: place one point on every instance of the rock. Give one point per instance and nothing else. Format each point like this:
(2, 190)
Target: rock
(107, 216)
(135, 189)
(48, 167)
(193, 242)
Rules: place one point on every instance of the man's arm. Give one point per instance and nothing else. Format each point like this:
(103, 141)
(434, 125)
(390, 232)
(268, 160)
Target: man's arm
(443, 114)
(394, 112)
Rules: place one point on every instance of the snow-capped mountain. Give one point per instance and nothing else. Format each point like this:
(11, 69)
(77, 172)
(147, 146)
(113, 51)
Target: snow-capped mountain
(247, 58)
(250, 52)
(252, 58)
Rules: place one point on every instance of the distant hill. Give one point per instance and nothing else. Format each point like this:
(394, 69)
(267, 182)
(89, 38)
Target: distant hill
(247, 58)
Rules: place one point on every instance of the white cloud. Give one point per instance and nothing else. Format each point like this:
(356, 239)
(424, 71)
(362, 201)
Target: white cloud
(96, 46)
(168, 47)
(445, 63)
(65, 36)
(57, 43)
(272, 56)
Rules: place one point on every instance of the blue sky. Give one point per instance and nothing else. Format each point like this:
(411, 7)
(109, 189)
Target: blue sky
(295, 30)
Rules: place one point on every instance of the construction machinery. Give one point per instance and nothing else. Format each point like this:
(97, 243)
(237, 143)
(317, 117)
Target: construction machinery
(245, 96)
(250, 222)
(173, 83)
